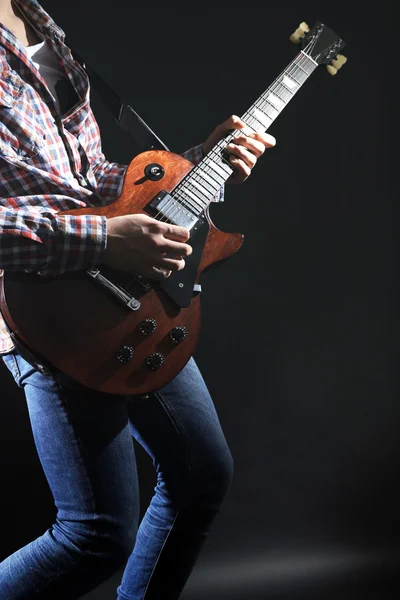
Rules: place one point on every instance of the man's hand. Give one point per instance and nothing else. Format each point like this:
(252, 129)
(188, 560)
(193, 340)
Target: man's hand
(144, 246)
(244, 150)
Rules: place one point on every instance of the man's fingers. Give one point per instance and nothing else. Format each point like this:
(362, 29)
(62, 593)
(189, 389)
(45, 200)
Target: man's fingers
(153, 272)
(162, 269)
(233, 122)
(170, 264)
(159, 273)
(245, 155)
(265, 138)
(255, 143)
(175, 249)
(174, 232)
(242, 170)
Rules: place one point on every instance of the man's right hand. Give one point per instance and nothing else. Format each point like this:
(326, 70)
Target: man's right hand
(144, 246)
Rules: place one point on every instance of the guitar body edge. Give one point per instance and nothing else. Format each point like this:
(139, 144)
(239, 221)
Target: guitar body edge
(68, 322)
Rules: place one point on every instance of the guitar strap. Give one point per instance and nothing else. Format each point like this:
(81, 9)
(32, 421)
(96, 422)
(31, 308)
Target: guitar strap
(123, 114)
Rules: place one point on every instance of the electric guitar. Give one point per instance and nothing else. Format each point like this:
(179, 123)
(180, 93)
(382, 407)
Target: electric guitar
(123, 334)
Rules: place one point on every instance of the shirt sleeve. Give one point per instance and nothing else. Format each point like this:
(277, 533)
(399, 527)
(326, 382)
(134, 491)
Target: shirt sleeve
(51, 244)
(108, 176)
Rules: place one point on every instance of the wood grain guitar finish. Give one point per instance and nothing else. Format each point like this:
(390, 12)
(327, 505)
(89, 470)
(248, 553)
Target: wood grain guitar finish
(122, 334)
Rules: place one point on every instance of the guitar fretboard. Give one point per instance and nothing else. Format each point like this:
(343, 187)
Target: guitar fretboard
(197, 190)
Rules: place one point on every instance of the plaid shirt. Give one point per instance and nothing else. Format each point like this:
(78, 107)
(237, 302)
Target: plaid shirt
(50, 163)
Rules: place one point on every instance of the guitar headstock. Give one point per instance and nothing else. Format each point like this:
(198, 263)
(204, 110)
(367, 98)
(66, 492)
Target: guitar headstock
(321, 44)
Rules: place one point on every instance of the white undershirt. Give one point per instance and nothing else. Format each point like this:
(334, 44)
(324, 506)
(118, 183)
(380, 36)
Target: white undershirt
(47, 63)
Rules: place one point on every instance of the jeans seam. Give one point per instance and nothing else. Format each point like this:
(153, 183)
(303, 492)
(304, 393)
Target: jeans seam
(180, 431)
(159, 556)
(176, 424)
(80, 447)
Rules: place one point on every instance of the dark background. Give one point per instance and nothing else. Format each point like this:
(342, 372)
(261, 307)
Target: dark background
(300, 333)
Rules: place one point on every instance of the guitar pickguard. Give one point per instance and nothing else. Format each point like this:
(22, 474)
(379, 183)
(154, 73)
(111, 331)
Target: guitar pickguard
(179, 285)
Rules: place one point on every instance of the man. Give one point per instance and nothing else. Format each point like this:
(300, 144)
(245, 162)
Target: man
(51, 161)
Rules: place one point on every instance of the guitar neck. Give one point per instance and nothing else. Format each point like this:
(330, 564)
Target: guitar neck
(197, 190)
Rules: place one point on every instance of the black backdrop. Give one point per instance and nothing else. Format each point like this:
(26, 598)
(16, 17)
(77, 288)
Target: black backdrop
(300, 332)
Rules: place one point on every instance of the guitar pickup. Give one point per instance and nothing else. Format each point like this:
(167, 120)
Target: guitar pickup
(174, 211)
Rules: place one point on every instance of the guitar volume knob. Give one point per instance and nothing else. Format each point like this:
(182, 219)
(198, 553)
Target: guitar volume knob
(155, 360)
(178, 334)
(124, 354)
(148, 326)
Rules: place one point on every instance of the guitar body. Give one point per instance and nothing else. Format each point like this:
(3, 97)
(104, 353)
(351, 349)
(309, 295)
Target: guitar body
(132, 338)
(79, 328)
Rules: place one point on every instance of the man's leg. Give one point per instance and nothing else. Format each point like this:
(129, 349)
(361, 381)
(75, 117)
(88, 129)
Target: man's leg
(86, 450)
(179, 428)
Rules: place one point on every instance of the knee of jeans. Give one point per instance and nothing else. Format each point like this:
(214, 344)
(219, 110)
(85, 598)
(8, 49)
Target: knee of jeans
(211, 479)
(102, 541)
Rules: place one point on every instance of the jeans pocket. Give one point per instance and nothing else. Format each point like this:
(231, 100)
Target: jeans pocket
(12, 365)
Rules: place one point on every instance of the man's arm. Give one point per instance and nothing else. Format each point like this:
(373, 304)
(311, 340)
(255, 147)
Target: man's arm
(52, 244)
(34, 241)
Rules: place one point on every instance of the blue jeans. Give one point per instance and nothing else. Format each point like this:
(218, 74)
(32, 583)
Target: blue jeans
(84, 442)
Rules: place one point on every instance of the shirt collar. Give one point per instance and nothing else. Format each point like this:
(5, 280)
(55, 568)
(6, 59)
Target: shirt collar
(37, 17)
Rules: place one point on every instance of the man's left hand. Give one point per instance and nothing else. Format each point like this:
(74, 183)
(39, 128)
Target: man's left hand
(245, 149)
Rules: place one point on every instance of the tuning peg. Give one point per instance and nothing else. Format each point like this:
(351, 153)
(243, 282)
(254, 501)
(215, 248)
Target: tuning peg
(339, 61)
(336, 64)
(300, 32)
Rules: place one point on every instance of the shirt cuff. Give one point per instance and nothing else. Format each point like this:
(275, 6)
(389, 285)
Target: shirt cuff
(80, 242)
(195, 154)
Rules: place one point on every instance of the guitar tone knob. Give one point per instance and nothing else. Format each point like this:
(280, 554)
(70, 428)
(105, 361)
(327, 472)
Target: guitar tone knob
(148, 326)
(124, 354)
(155, 361)
(178, 334)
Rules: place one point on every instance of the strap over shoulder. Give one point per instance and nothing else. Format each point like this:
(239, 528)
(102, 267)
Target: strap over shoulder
(124, 114)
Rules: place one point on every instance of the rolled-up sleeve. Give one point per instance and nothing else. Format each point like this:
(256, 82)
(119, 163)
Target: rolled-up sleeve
(48, 243)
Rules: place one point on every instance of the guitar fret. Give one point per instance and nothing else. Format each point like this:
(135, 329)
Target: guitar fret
(276, 101)
(196, 205)
(214, 176)
(247, 118)
(288, 82)
(226, 167)
(282, 92)
(200, 186)
(198, 194)
(219, 169)
(199, 172)
(301, 69)
(261, 117)
(261, 127)
(270, 106)
(298, 83)
(197, 190)
(210, 180)
(252, 125)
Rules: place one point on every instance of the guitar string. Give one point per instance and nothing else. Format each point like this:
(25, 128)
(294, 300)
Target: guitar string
(249, 118)
(265, 105)
(262, 103)
(294, 69)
